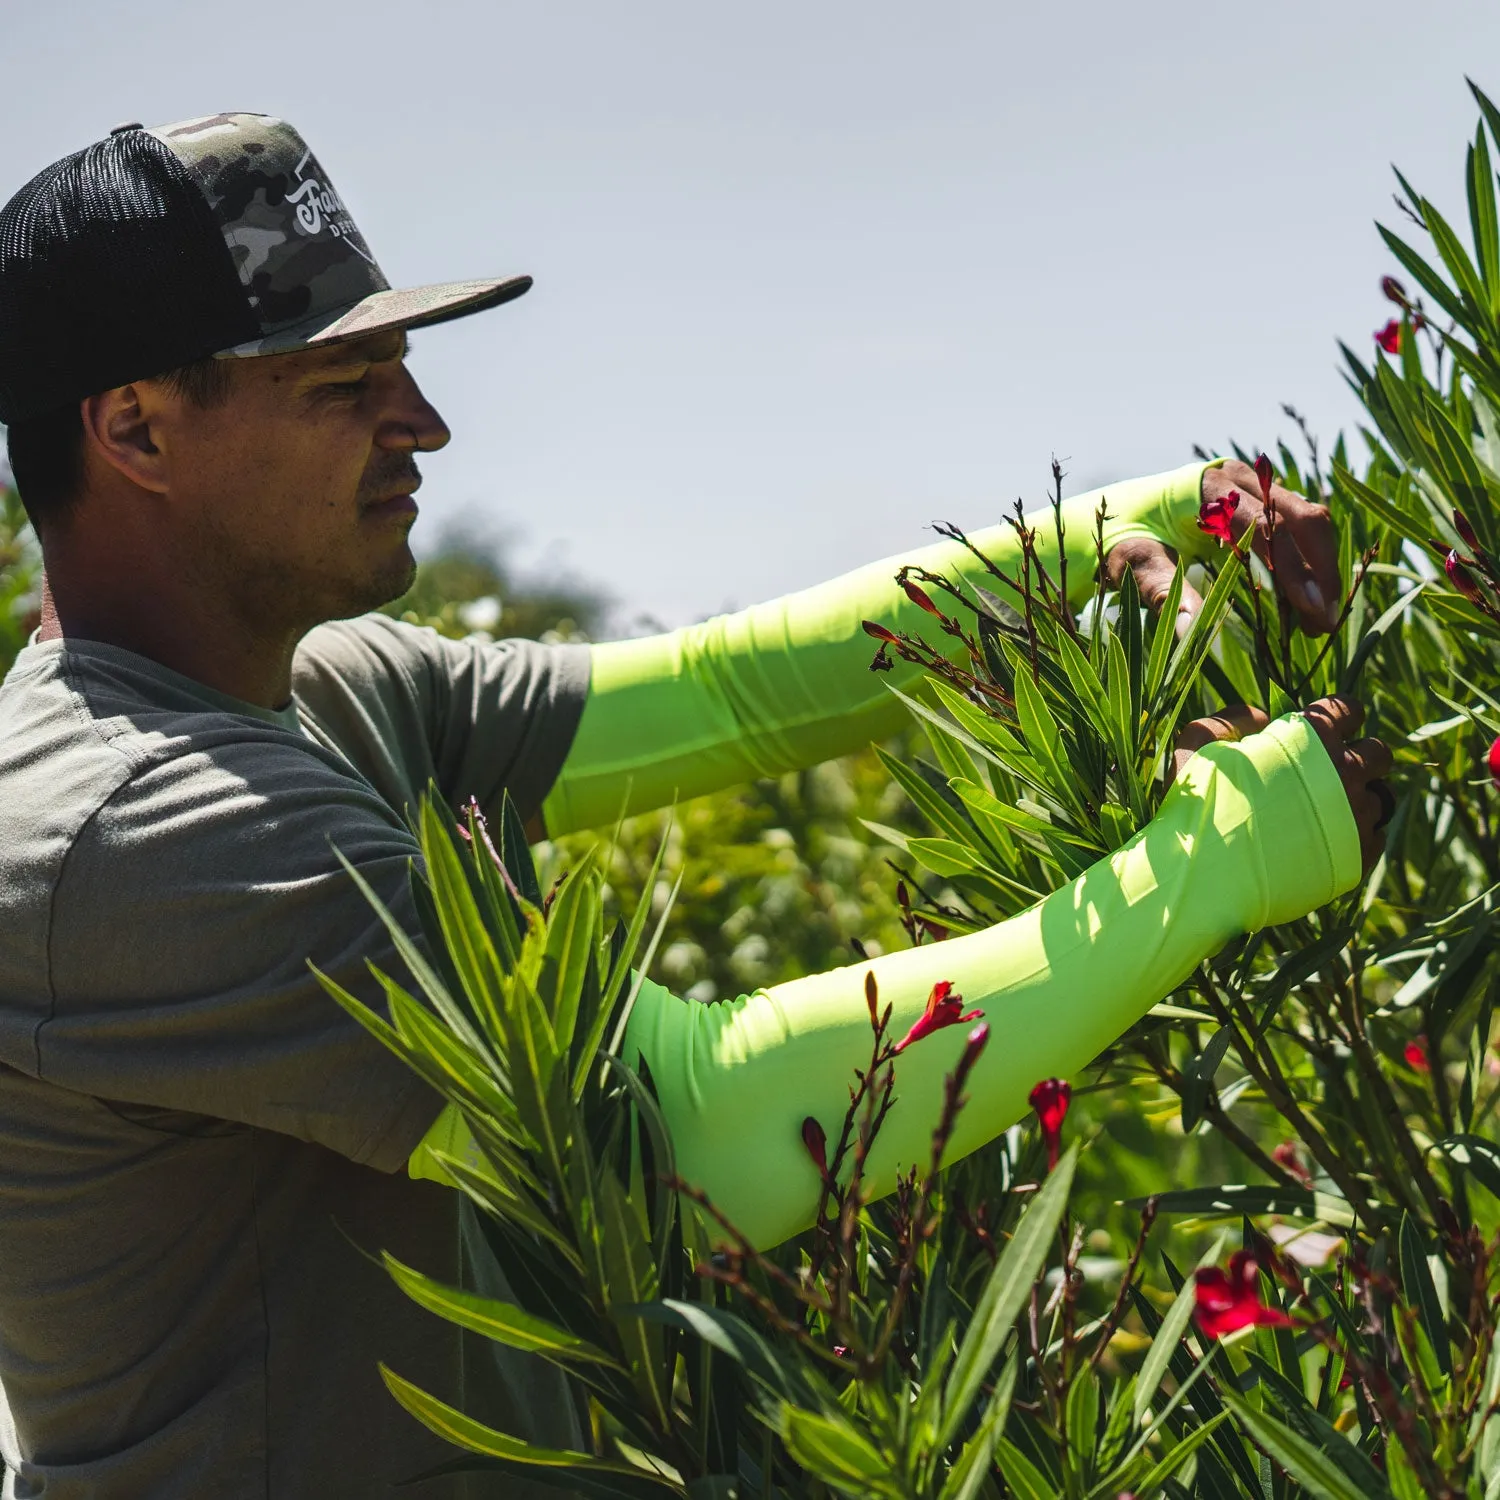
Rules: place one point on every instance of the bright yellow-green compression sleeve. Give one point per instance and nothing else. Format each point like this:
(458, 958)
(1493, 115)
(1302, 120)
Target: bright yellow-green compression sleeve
(785, 685)
(1252, 834)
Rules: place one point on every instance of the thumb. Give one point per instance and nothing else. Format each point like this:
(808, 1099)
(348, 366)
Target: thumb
(1154, 568)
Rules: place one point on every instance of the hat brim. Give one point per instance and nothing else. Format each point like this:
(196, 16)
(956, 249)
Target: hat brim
(409, 307)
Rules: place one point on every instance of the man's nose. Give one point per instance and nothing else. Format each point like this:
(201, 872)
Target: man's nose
(412, 423)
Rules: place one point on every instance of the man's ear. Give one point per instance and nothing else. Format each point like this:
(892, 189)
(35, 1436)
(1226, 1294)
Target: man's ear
(117, 432)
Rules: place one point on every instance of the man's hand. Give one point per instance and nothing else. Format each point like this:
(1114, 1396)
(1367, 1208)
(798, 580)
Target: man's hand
(1303, 549)
(1232, 723)
(1361, 763)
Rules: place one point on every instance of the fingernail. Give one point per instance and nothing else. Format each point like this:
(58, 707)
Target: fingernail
(1184, 622)
(1315, 598)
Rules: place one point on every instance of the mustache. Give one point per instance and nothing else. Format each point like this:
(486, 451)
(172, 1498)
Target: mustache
(391, 473)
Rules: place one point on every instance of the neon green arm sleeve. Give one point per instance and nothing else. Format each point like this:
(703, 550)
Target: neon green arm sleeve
(1057, 984)
(786, 684)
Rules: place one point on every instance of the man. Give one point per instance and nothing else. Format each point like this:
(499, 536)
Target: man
(214, 430)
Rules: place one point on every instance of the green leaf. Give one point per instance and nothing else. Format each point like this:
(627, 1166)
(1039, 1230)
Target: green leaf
(1481, 184)
(466, 941)
(928, 800)
(1307, 1464)
(1163, 638)
(1477, 1156)
(630, 1277)
(450, 1423)
(1373, 501)
(416, 962)
(503, 1322)
(1198, 1080)
(1164, 1345)
(1456, 612)
(1187, 660)
(1417, 1283)
(1177, 1455)
(515, 853)
(1404, 1483)
(1086, 684)
(1025, 1480)
(570, 944)
(1303, 1417)
(967, 1476)
(1426, 277)
(1044, 741)
(1237, 1199)
(730, 1336)
(1005, 1293)
(832, 1450)
(1460, 268)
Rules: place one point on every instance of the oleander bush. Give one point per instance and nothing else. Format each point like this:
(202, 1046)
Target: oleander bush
(1297, 1294)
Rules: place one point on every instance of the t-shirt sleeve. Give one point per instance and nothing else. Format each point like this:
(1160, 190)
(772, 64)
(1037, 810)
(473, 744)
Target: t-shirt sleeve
(183, 921)
(480, 716)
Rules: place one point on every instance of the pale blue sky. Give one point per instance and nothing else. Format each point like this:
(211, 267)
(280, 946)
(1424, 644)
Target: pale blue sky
(811, 275)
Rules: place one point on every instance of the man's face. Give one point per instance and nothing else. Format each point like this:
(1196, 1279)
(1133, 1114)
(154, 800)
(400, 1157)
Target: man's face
(294, 495)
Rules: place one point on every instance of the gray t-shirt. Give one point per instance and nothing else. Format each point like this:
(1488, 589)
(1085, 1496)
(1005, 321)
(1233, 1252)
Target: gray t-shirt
(196, 1143)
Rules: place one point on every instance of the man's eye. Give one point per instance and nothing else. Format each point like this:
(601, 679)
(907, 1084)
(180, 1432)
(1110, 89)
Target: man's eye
(350, 385)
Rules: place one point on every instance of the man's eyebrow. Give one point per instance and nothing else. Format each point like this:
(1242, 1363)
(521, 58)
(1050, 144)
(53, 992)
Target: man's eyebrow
(375, 350)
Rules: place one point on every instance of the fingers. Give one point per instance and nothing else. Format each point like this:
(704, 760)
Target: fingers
(1232, 723)
(1361, 764)
(1301, 546)
(1369, 759)
(1335, 719)
(1154, 568)
(1305, 556)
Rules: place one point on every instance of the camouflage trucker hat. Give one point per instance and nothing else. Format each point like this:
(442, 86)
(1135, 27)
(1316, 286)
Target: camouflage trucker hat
(154, 248)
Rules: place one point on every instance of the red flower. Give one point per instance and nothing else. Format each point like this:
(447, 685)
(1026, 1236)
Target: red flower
(1415, 1053)
(816, 1141)
(1226, 1301)
(921, 598)
(944, 1008)
(1214, 516)
(1393, 290)
(1461, 578)
(1266, 474)
(1389, 337)
(1464, 527)
(1289, 1156)
(1050, 1099)
(880, 633)
(1494, 762)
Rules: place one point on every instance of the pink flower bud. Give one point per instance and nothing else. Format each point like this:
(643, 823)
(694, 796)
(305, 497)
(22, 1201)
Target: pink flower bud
(1050, 1099)
(1461, 578)
(880, 632)
(920, 597)
(1465, 529)
(1493, 760)
(1389, 337)
(816, 1141)
(1266, 475)
(1393, 290)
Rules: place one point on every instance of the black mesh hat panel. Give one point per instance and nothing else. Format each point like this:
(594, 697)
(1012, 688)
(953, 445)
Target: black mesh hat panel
(112, 268)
